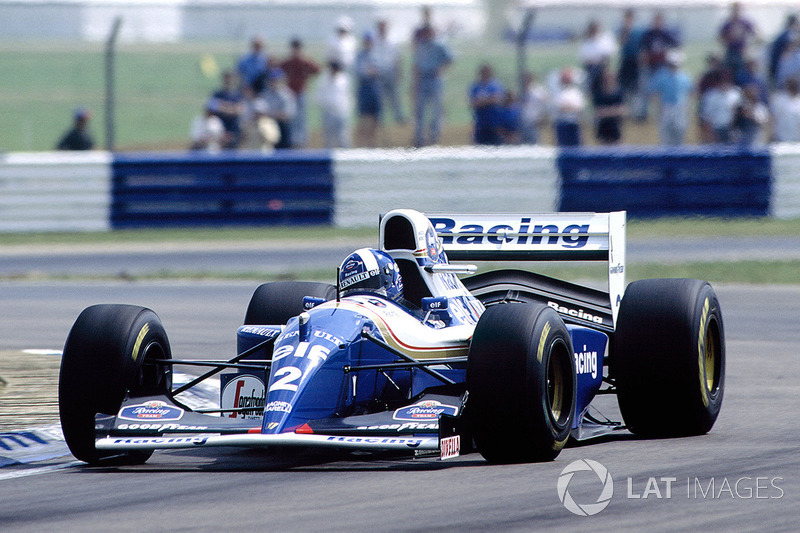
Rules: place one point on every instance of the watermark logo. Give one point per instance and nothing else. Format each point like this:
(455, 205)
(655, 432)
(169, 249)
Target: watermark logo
(585, 509)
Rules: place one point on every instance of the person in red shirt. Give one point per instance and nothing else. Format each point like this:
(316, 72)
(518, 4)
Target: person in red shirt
(299, 69)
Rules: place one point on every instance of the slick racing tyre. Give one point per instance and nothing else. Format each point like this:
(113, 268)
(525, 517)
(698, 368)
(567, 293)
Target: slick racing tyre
(104, 358)
(521, 382)
(275, 303)
(669, 357)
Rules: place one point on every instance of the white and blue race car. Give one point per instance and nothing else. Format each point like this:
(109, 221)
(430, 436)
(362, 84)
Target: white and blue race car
(402, 354)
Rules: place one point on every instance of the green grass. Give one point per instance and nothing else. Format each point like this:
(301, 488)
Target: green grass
(161, 88)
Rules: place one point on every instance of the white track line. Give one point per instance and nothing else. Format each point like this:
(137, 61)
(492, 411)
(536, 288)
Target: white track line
(38, 470)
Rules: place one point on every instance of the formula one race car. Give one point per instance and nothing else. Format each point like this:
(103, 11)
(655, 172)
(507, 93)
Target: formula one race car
(403, 355)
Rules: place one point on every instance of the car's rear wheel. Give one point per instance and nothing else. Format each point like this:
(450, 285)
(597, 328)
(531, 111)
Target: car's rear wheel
(103, 359)
(521, 382)
(669, 357)
(277, 302)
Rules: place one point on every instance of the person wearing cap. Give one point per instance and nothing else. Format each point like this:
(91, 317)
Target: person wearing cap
(672, 87)
(253, 65)
(342, 46)
(299, 69)
(78, 137)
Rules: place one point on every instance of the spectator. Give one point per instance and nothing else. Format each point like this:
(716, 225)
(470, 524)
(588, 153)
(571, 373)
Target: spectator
(751, 118)
(387, 55)
(78, 137)
(672, 86)
(509, 122)
(253, 65)
(711, 78)
(208, 131)
(735, 35)
(781, 43)
(426, 14)
(280, 105)
(299, 69)
(785, 110)
(788, 64)
(609, 108)
(533, 112)
(656, 42)
(595, 51)
(569, 103)
(334, 97)
(629, 37)
(485, 98)
(719, 107)
(369, 93)
(431, 59)
(750, 75)
(342, 46)
(229, 105)
(259, 130)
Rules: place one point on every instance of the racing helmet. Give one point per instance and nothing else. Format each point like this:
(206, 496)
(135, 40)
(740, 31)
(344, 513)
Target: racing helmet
(369, 271)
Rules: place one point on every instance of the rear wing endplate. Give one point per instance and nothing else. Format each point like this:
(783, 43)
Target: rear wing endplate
(539, 237)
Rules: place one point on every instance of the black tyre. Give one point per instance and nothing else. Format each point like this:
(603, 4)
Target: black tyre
(669, 357)
(103, 360)
(521, 382)
(277, 302)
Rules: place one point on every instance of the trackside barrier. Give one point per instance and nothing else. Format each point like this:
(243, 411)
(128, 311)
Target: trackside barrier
(786, 180)
(674, 181)
(229, 188)
(55, 191)
(468, 179)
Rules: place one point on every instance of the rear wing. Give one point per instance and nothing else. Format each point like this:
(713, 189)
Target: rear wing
(539, 237)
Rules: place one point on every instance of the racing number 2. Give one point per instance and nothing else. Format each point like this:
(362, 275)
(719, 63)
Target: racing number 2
(290, 374)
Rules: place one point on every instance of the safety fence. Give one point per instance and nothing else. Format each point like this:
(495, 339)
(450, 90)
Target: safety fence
(347, 188)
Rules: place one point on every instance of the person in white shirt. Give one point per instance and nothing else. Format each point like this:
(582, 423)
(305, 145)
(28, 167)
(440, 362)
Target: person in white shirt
(595, 51)
(335, 98)
(718, 107)
(569, 104)
(785, 108)
(535, 104)
(207, 130)
(342, 46)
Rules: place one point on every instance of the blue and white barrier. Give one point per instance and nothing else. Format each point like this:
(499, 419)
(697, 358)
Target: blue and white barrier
(98, 191)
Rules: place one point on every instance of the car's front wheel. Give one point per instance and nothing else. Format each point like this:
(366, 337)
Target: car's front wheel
(104, 358)
(521, 382)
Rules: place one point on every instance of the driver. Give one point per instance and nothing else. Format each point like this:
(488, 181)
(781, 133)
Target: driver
(369, 271)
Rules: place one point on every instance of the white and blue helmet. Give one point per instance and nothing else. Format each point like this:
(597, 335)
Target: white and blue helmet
(369, 271)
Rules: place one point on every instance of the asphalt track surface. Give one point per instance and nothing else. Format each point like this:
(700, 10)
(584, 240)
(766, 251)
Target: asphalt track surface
(132, 260)
(755, 443)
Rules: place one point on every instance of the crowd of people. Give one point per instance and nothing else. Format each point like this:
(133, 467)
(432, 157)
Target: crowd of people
(635, 74)
(263, 103)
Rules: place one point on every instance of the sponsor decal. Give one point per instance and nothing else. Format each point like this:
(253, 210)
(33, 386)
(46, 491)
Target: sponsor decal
(523, 232)
(278, 406)
(450, 447)
(376, 302)
(355, 278)
(152, 410)
(156, 441)
(616, 269)
(407, 426)
(139, 339)
(262, 331)
(161, 427)
(432, 244)
(411, 443)
(577, 313)
(586, 362)
(424, 410)
(244, 391)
